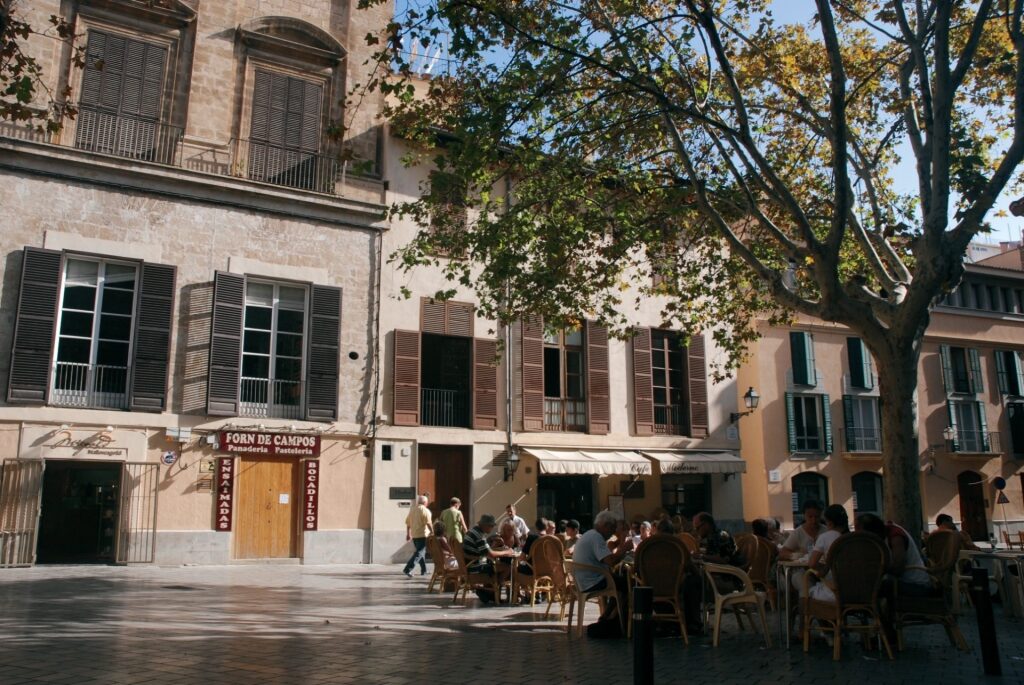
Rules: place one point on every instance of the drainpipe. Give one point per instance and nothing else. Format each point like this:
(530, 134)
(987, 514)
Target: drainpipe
(508, 346)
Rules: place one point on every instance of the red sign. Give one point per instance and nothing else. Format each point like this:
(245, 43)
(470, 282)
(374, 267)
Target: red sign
(270, 444)
(310, 495)
(225, 490)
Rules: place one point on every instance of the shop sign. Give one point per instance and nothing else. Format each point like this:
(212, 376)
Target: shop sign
(225, 490)
(311, 495)
(270, 444)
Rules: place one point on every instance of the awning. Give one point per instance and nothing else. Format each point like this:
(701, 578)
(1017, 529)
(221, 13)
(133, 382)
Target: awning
(592, 462)
(698, 462)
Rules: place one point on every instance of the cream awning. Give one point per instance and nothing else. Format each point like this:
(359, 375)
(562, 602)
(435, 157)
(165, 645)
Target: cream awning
(590, 462)
(698, 462)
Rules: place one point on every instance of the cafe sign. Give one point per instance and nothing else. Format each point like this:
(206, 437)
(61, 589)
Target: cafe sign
(225, 491)
(311, 494)
(270, 444)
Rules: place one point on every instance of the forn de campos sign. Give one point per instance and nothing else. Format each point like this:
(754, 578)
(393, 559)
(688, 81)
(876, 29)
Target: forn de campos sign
(270, 444)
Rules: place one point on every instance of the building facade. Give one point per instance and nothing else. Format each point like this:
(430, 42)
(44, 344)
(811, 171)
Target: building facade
(187, 305)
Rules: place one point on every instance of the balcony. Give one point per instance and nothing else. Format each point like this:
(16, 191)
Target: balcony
(866, 439)
(285, 166)
(125, 136)
(564, 415)
(91, 386)
(969, 442)
(670, 420)
(266, 398)
(444, 408)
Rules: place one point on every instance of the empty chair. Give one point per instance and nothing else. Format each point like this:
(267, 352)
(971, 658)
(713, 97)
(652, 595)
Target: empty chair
(660, 563)
(743, 600)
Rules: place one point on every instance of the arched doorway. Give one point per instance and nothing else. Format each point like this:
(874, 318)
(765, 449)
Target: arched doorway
(970, 488)
(867, 493)
(808, 486)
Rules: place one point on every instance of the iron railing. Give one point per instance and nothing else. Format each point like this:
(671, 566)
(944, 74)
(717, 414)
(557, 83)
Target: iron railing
(445, 408)
(268, 398)
(564, 415)
(286, 166)
(972, 441)
(90, 385)
(127, 136)
(863, 439)
(670, 419)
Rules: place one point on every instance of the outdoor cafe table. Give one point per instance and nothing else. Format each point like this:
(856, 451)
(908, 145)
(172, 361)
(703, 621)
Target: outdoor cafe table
(1008, 585)
(783, 572)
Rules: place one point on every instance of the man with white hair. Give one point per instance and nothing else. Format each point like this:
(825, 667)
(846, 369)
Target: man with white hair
(592, 550)
(418, 527)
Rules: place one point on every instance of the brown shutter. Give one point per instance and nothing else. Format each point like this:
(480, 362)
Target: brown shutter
(460, 319)
(32, 351)
(407, 378)
(151, 344)
(324, 353)
(598, 403)
(485, 384)
(443, 317)
(695, 368)
(643, 390)
(532, 328)
(433, 316)
(225, 344)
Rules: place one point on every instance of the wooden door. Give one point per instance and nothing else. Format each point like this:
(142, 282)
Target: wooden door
(972, 505)
(444, 473)
(266, 504)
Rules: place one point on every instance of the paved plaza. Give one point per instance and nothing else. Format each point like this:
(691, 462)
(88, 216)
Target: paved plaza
(369, 624)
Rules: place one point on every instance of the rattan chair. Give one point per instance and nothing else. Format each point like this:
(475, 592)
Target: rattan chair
(466, 581)
(689, 541)
(443, 571)
(759, 554)
(547, 573)
(943, 551)
(581, 596)
(660, 562)
(857, 563)
(742, 600)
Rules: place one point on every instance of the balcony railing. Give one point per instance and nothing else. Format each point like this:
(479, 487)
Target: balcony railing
(980, 442)
(445, 408)
(564, 415)
(286, 166)
(270, 399)
(863, 439)
(670, 419)
(90, 385)
(127, 136)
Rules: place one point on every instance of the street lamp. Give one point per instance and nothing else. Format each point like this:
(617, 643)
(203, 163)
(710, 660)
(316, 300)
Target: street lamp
(750, 400)
(511, 463)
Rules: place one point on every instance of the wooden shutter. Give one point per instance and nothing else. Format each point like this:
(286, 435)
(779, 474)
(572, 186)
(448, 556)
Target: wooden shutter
(225, 344)
(532, 347)
(826, 422)
(1002, 373)
(459, 319)
(946, 360)
(983, 427)
(954, 445)
(850, 425)
(1015, 417)
(34, 324)
(697, 372)
(433, 316)
(324, 353)
(407, 378)
(485, 384)
(798, 354)
(151, 346)
(1016, 374)
(643, 390)
(977, 381)
(598, 401)
(861, 375)
(790, 422)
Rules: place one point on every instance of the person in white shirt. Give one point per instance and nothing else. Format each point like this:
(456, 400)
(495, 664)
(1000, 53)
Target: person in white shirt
(837, 523)
(522, 530)
(592, 550)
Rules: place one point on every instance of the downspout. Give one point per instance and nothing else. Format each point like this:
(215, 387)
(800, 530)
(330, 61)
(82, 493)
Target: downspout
(508, 346)
(371, 442)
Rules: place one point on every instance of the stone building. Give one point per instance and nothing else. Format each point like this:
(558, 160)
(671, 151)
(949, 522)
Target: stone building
(186, 344)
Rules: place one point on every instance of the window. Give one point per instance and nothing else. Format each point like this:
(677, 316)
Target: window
(564, 403)
(94, 334)
(809, 423)
(862, 424)
(272, 350)
(685, 494)
(867, 493)
(961, 370)
(1015, 417)
(1008, 373)
(861, 374)
(808, 486)
(968, 431)
(801, 347)
(668, 377)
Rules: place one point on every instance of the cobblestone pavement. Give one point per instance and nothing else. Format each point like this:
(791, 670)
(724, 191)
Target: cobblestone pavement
(370, 624)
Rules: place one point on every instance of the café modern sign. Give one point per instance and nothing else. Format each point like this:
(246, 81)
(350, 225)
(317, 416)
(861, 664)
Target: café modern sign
(270, 444)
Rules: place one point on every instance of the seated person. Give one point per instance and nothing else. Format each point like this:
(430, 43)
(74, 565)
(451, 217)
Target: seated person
(480, 556)
(801, 541)
(592, 550)
(508, 536)
(449, 562)
(837, 523)
(540, 527)
(665, 526)
(560, 530)
(945, 522)
(717, 547)
(572, 536)
(646, 531)
(622, 532)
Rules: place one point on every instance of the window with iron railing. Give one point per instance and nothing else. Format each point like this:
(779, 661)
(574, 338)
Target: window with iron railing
(272, 351)
(862, 429)
(565, 406)
(94, 334)
(669, 381)
(968, 428)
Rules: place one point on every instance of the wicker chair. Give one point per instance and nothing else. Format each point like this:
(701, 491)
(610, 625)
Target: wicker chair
(739, 600)
(465, 580)
(547, 573)
(660, 563)
(689, 541)
(758, 553)
(857, 563)
(443, 572)
(581, 597)
(943, 551)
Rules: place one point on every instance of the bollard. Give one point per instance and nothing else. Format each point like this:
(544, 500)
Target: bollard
(986, 621)
(643, 636)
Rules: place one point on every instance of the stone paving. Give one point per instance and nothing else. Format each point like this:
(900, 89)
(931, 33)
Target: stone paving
(369, 624)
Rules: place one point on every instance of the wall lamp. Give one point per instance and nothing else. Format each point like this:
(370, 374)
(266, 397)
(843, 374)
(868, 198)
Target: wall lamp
(750, 400)
(511, 463)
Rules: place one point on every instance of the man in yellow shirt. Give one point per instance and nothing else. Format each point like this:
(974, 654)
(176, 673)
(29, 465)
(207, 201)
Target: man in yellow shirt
(418, 527)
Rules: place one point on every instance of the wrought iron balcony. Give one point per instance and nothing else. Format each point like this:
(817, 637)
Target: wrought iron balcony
(267, 398)
(92, 386)
(564, 415)
(972, 441)
(863, 439)
(127, 136)
(286, 166)
(670, 419)
(444, 408)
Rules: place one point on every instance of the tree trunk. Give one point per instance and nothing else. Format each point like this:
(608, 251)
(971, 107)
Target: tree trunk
(901, 458)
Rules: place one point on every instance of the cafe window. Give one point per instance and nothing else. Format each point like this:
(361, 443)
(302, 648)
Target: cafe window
(272, 350)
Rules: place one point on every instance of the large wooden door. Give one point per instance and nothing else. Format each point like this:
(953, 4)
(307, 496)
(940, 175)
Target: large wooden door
(266, 524)
(972, 505)
(444, 473)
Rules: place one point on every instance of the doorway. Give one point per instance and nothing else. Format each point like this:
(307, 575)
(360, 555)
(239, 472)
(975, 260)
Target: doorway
(566, 497)
(79, 517)
(969, 485)
(267, 522)
(443, 471)
(686, 494)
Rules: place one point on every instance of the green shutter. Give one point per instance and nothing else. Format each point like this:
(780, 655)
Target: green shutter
(1015, 374)
(947, 368)
(812, 372)
(977, 385)
(1002, 378)
(798, 352)
(826, 420)
(983, 427)
(849, 423)
(954, 442)
(861, 375)
(790, 422)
